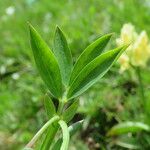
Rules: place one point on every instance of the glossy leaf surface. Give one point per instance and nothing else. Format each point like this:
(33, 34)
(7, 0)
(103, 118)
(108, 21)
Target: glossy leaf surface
(63, 55)
(46, 63)
(93, 72)
(49, 106)
(70, 112)
(90, 53)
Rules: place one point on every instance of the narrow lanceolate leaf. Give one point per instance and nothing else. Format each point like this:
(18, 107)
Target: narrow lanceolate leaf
(128, 145)
(71, 111)
(90, 53)
(93, 72)
(63, 55)
(46, 63)
(50, 135)
(128, 142)
(49, 106)
(126, 127)
(42, 130)
(75, 127)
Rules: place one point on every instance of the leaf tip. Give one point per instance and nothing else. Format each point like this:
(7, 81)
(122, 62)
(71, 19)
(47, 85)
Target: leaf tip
(124, 47)
(31, 29)
(109, 35)
(30, 26)
(58, 28)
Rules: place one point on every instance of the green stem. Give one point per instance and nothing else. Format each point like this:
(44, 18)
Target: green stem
(61, 104)
(60, 108)
(66, 135)
(141, 87)
(41, 131)
(53, 129)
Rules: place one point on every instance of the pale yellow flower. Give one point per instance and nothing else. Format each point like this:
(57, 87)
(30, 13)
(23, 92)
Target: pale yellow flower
(128, 34)
(138, 52)
(141, 50)
(124, 61)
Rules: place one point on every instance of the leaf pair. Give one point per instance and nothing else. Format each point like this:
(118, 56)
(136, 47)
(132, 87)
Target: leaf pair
(93, 71)
(51, 110)
(53, 68)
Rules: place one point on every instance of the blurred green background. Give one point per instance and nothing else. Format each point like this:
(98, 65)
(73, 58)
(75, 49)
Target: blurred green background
(114, 99)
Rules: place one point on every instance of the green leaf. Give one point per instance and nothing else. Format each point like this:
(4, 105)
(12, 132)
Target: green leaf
(42, 130)
(57, 145)
(70, 112)
(66, 135)
(127, 145)
(49, 106)
(72, 130)
(128, 142)
(48, 140)
(75, 127)
(46, 63)
(90, 53)
(126, 127)
(95, 70)
(63, 55)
